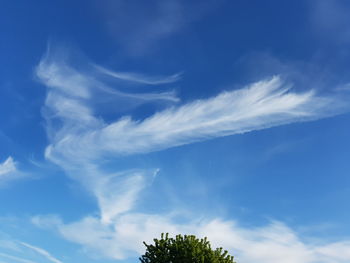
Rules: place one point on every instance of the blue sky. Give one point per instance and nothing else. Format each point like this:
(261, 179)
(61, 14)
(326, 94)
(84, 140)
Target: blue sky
(121, 119)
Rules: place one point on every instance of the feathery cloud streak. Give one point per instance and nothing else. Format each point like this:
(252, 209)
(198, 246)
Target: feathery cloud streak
(9, 171)
(7, 167)
(18, 251)
(82, 79)
(261, 105)
(139, 78)
(42, 252)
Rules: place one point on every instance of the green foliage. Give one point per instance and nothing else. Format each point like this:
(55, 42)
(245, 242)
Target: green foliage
(184, 249)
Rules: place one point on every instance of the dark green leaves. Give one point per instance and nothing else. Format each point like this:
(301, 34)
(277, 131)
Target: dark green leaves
(183, 249)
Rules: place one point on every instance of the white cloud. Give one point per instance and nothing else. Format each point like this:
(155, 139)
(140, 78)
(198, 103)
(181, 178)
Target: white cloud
(42, 252)
(46, 221)
(9, 171)
(80, 140)
(272, 243)
(57, 73)
(335, 252)
(18, 251)
(139, 78)
(7, 167)
(118, 193)
(261, 105)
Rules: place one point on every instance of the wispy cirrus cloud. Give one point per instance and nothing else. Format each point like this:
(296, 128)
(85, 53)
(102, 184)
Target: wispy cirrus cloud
(18, 251)
(9, 171)
(82, 79)
(139, 78)
(261, 105)
(117, 193)
(80, 139)
(7, 167)
(42, 252)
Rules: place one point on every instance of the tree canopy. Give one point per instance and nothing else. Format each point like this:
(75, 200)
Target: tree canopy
(183, 249)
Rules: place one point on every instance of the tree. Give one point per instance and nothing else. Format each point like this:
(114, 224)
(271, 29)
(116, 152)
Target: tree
(183, 249)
